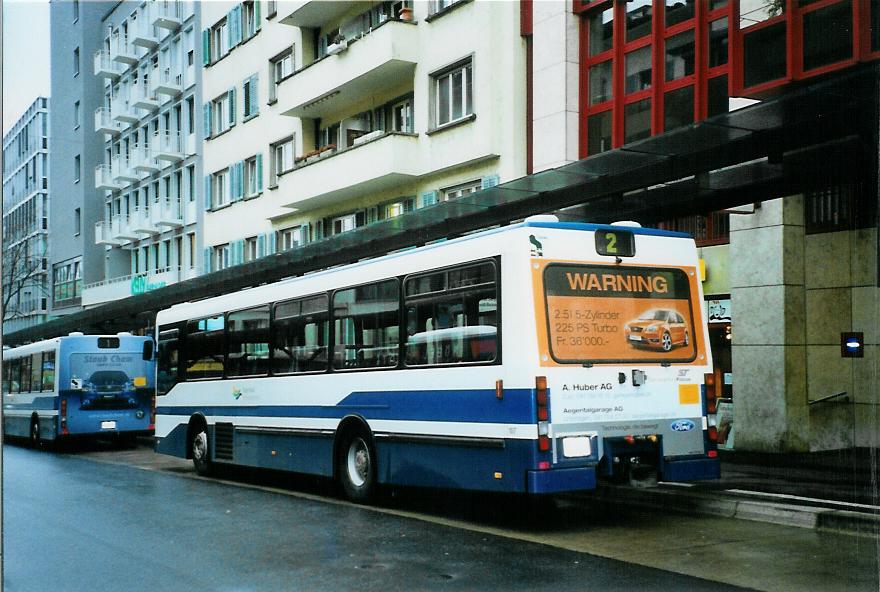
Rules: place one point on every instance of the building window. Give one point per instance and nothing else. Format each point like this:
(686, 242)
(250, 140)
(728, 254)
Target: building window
(77, 221)
(281, 67)
(251, 252)
(66, 283)
(344, 223)
(221, 114)
(219, 40)
(75, 10)
(453, 93)
(221, 257)
(838, 207)
(460, 190)
(250, 92)
(191, 182)
(282, 156)
(220, 188)
(76, 62)
(291, 237)
(251, 177)
(76, 115)
(710, 229)
(191, 242)
(248, 20)
(76, 168)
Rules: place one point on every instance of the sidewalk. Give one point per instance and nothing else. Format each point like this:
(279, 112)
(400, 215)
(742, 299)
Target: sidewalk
(837, 490)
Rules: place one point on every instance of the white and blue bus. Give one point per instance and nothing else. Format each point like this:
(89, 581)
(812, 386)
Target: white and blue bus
(534, 358)
(79, 385)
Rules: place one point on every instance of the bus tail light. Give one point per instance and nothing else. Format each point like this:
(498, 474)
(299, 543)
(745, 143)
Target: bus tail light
(544, 443)
(152, 425)
(711, 393)
(542, 413)
(713, 434)
(63, 410)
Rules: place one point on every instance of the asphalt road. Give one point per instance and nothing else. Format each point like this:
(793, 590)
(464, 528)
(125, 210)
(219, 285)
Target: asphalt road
(71, 523)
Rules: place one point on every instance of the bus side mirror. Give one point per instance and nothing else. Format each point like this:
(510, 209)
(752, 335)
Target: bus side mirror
(148, 350)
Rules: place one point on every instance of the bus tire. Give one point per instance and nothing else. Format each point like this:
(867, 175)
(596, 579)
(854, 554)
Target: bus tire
(200, 450)
(356, 466)
(34, 433)
(666, 341)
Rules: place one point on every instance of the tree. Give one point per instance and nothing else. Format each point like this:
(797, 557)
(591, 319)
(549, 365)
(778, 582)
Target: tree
(21, 270)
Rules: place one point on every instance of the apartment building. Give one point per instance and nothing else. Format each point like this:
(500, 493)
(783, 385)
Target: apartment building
(26, 219)
(147, 69)
(74, 258)
(326, 116)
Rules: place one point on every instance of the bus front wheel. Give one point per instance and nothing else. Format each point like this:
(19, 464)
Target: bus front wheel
(200, 451)
(356, 466)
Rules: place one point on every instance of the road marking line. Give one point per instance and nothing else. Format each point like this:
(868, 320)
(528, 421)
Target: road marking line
(802, 499)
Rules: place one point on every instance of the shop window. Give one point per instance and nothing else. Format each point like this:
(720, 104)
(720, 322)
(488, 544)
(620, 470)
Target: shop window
(838, 207)
(601, 29)
(680, 55)
(678, 108)
(638, 19)
(599, 132)
(678, 11)
(764, 55)
(752, 12)
(718, 42)
(828, 35)
(600, 83)
(638, 70)
(637, 121)
(719, 100)
(710, 229)
(714, 4)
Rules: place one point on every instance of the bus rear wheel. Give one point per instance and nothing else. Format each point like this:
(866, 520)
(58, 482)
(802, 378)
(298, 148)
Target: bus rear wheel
(201, 455)
(34, 434)
(356, 466)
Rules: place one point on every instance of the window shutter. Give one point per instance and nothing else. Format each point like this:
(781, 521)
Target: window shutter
(259, 173)
(239, 179)
(246, 93)
(429, 198)
(231, 95)
(261, 246)
(489, 181)
(206, 262)
(372, 215)
(322, 46)
(257, 14)
(409, 204)
(207, 121)
(236, 19)
(207, 192)
(304, 234)
(237, 252)
(271, 243)
(254, 102)
(319, 229)
(206, 47)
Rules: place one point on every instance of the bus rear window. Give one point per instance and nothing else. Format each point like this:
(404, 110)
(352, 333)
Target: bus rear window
(616, 314)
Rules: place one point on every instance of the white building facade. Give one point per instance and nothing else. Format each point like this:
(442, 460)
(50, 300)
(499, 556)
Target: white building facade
(26, 219)
(327, 116)
(150, 66)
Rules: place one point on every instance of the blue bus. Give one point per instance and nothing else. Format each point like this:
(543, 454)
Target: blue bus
(79, 385)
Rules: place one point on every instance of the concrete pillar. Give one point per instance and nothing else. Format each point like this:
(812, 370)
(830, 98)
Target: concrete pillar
(769, 327)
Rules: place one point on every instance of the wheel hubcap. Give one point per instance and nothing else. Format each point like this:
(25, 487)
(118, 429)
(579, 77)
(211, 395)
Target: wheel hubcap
(200, 446)
(667, 342)
(358, 462)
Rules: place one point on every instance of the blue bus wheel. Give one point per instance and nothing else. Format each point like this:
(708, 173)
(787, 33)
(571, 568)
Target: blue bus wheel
(35, 432)
(356, 466)
(200, 451)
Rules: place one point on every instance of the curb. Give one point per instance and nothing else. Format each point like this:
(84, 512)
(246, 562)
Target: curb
(728, 506)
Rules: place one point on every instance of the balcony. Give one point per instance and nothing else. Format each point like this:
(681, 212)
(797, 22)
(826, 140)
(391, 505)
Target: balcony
(165, 14)
(105, 67)
(123, 51)
(120, 229)
(166, 82)
(168, 146)
(129, 285)
(143, 34)
(104, 236)
(142, 160)
(124, 111)
(123, 172)
(144, 98)
(168, 213)
(104, 179)
(381, 163)
(141, 222)
(312, 14)
(369, 65)
(105, 124)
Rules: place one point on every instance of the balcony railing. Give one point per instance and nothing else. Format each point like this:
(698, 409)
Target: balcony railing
(166, 14)
(143, 97)
(142, 160)
(124, 111)
(104, 179)
(129, 285)
(123, 51)
(168, 146)
(105, 66)
(104, 123)
(384, 57)
(104, 234)
(142, 223)
(120, 228)
(143, 33)
(168, 213)
(123, 172)
(167, 82)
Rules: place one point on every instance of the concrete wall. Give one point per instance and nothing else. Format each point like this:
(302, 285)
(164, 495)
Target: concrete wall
(792, 296)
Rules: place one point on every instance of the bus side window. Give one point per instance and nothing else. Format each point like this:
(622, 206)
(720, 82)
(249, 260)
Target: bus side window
(36, 372)
(7, 372)
(25, 374)
(15, 376)
(168, 356)
(48, 371)
(367, 333)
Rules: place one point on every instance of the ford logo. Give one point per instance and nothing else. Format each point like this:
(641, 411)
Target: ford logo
(682, 425)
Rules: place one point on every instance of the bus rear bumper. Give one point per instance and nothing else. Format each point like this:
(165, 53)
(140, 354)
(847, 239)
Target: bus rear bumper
(695, 469)
(561, 480)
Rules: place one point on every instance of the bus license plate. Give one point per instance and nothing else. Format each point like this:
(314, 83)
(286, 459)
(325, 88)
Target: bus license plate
(574, 447)
(108, 425)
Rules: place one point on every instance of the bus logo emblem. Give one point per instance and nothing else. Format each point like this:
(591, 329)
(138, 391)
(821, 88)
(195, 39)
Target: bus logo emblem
(682, 425)
(236, 393)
